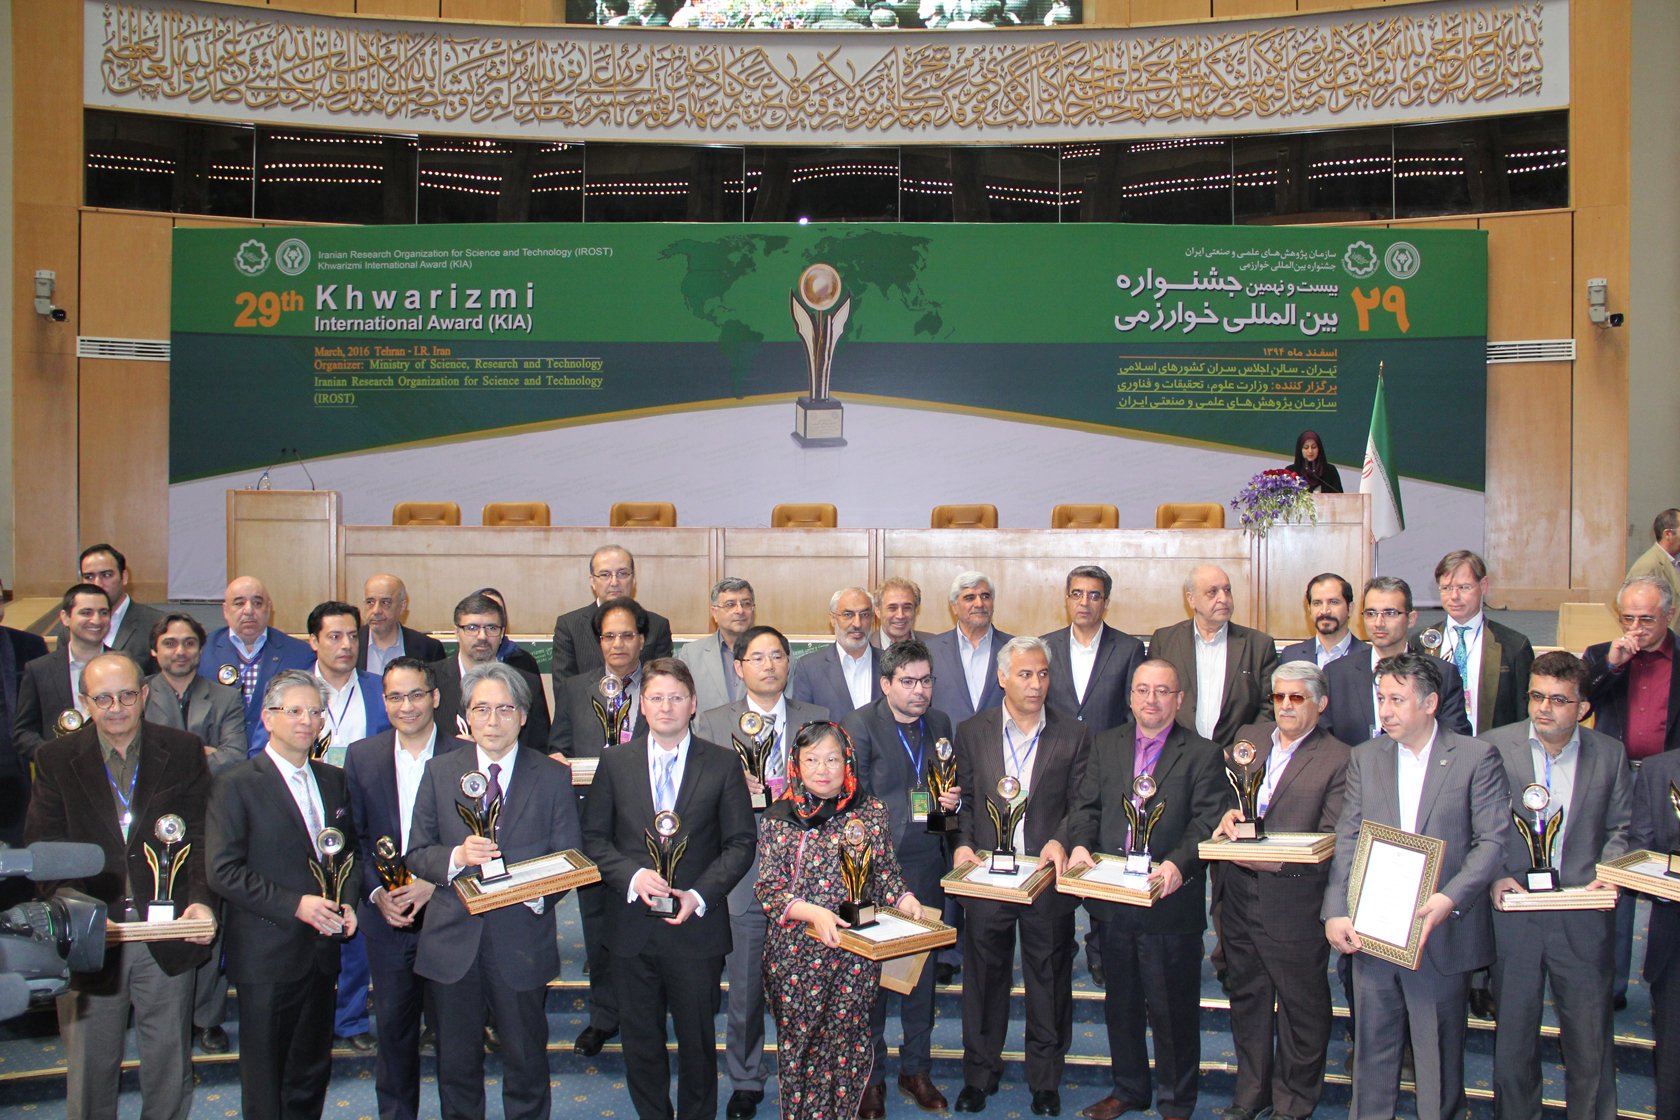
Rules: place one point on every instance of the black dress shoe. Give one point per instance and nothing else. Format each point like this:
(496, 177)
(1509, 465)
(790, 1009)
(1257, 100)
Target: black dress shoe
(1046, 1102)
(591, 1039)
(360, 1043)
(1481, 1003)
(1619, 1003)
(1237, 1112)
(743, 1103)
(945, 973)
(971, 1099)
(1097, 976)
(428, 1041)
(212, 1040)
(492, 1039)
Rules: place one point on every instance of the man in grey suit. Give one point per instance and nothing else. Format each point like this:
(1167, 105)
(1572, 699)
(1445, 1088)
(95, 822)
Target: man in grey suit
(1422, 778)
(49, 702)
(503, 959)
(1222, 667)
(762, 667)
(846, 675)
(1329, 606)
(712, 658)
(964, 680)
(1589, 782)
(895, 741)
(131, 623)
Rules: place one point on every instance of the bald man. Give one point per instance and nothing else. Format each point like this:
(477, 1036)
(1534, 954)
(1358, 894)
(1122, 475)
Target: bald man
(248, 652)
(383, 638)
(1224, 669)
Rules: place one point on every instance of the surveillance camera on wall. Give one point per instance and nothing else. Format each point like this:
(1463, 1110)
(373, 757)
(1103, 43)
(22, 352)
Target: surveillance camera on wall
(45, 282)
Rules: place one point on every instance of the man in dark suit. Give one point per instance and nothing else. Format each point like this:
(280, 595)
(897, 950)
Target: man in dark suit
(503, 959)
(511, 652)
(1329, 602)
(247, 653)
(17, 649)
(281, 935)
(384, 772)
(897, 603)
(1588, 781)
(712, 658)
(1352, 715)
(1656, 827)
(612, 575)
(108, 784)
(384, 638)
(895, 741)
(1274, 941)
(846, 675)
(620, 626)
(670, 965)
(48, 694)
(131, 623)
(1492, 660)
(965, 656)
(1208, 649)
(762, 667)
(1091, 663)
(480, 623)
(1045, 752)
(1153, 955)
(1420, 777)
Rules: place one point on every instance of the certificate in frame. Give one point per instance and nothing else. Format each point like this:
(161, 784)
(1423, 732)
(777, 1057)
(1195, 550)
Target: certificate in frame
(1645, 872)
(528, 879)
(975, 880)
(1392, 869)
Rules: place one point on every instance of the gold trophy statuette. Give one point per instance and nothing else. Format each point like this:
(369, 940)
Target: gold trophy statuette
(332, 869)
(1005, 821)
(941, 776)
(1251, 827)
(228, 675)
(165, 865)
(1674, 855)
(1541, 837)
(68, 722)
(388, 863)
(856, 858)
(1143, 820)
(319, 750)
(820, 308)
(754, 751)
(615, 713)
(480, 817)
(667, 852)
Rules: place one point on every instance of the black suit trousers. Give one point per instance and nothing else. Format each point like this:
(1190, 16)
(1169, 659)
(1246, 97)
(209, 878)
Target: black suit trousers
(603, 993)
(399, 997)
(650, 985)
(1294, 973)
(922, 859)
(285, 1047)
(1662, 973)
(1046, 972)
(1155, 977)
(522, 1021)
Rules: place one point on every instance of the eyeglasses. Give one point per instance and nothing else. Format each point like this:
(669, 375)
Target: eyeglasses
(1387, 614)
(502, 713)
(1554, 699)
(397, 699)
(1631, 620)
(474, 629)
(1087, 596)
(914, 684)
(296, 712)
(760, 659)
(734, 605)
(665, 699)
(128, 697)
(1160, 691)
(1289, 698)
(1461, 588)
(619, 574)
(830, 763)
(618, 637)
(864, 615)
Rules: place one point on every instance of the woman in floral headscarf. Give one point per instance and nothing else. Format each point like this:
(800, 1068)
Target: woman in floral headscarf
(820, 994)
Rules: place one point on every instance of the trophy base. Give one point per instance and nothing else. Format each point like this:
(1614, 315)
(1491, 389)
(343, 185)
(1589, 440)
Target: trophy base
(664, 906)
(492, 871)
(1251, 830)
(818, 422)
(759, 801)
(1538, 879)
(858, 915)
(1003, 863)
(941, 823)
(160, 910)
(1137, 863)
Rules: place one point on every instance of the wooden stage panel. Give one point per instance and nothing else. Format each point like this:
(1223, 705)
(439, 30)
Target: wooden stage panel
(795, 572)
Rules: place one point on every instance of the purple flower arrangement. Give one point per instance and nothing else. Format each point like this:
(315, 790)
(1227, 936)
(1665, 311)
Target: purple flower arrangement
(1273, 496)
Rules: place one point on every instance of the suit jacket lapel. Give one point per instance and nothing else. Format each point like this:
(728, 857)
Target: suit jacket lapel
(1435, 776)
(1104, 663)
(1297, 762)
(515, 796)
(387, 772)
(285, 788)
(691, 775)
(1236, 651)
(1172, 753)
(1487, 691)
(96, 782)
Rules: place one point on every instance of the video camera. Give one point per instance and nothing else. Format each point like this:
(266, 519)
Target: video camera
(42, 943)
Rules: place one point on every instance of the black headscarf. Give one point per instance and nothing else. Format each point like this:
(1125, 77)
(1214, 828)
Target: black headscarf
(799, 805)
(1319, 475)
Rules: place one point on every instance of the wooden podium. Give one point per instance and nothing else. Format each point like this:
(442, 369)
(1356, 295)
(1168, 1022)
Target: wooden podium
(289, 539)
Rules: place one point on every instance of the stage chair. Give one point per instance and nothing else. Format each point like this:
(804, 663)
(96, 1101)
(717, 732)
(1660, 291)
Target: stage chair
(635, 514)
(1085, 516)
(1190, 515)
(964, 517)
(515, 513)
(804, 515)
(426, 513)
(1581, 625)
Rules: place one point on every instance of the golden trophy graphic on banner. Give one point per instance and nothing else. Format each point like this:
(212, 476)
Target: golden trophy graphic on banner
(820, 308)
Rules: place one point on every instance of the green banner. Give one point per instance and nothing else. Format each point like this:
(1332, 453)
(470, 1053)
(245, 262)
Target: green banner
(348, 339)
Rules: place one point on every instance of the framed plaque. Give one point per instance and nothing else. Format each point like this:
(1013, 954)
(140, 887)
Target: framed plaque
(180, 929)
(1108, 880)
(528, 879)
(1394, 873)
(1645, 872)
(977, 880)
(1566, 898)
(1276, 847)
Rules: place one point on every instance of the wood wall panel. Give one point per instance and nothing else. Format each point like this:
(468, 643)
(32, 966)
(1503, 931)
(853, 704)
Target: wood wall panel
(1108, 13)
(1170, 11)
(1600, 47)
(1529, 268)
(320, 7)
(125, 275)
(500, 11)
(398, 9)
(1528, 483)
(124, 466)
(794, 572)
(1600, 528)
(1252, 9)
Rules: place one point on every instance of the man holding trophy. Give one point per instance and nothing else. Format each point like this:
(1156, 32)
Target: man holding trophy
(138, 791)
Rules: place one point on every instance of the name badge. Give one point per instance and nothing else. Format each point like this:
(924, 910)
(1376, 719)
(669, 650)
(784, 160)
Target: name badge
(921, 804)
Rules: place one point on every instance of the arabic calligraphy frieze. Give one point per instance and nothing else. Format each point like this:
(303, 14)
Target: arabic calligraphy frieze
(1425, 62)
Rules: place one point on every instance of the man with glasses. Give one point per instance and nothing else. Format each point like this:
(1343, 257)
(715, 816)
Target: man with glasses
(761, 665)
(49, 700)
(895, 740)
(1274, 942)
(480, 622)
(669, 966)
(384, 638)
(282, 936)
(1587, 781)
(1635, 695)
(88, 791)
(248, 652)
(503, 959)
(1329, 603)
(384, 773)
(612, 575)
(712, 658)
(1491, 659)
(1352, 715)
(845, 676)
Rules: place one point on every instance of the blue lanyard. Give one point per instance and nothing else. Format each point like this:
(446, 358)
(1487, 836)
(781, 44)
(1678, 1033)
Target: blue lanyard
(1022, 762)
(127, 799)
(921, 747)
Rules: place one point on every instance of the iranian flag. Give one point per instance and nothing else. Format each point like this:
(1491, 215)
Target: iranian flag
(1378, 479)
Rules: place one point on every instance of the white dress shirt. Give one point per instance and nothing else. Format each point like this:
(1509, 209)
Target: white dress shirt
(1411, 771)
(857, 671)
(1210, 677)
(1449, 648)
(346, 715)
(1081, 660)
(977, 662)
(1558, 776)
(1340, 649)
(306, 796)
(117, 616)
(1020, 750)
(410, 769)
